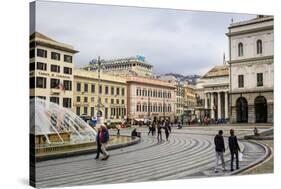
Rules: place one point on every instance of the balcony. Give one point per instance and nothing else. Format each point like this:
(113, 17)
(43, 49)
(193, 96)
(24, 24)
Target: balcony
(55, 91)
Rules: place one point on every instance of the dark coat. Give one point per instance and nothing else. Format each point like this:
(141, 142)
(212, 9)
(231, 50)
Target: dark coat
(219, 143)
(233, 144)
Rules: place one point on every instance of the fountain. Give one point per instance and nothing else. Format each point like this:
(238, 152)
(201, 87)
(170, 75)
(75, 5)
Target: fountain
(58, 132)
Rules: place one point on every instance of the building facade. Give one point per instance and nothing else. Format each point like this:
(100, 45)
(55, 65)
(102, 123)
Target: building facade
(51, 70)
(251, 70)
(216, 92)
(150, 99)
(112, 93)
(132, 66)
(189, 103)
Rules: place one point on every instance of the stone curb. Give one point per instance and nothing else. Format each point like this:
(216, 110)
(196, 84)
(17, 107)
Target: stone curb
(87, 151)
(255, 163)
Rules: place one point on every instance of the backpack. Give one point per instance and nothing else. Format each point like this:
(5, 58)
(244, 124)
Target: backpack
(106, 136)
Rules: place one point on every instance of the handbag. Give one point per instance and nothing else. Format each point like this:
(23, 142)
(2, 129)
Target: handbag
(240, 156)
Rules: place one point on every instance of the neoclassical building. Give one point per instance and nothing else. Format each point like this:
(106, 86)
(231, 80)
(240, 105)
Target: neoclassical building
(251, 70)
(150, 99)
(51, 70)
(112, 92)
(215, 84)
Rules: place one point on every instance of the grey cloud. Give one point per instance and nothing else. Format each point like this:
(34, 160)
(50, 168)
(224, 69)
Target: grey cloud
(184, 42)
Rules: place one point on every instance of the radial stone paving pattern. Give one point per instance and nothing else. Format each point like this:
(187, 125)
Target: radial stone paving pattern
(183, 156)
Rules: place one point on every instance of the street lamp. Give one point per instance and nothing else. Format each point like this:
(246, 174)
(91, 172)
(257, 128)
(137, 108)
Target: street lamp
(96, 65)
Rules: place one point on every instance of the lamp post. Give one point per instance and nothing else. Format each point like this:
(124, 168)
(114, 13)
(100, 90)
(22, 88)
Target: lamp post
(96, 65)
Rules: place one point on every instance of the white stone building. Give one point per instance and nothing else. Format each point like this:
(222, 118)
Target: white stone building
(251, 70)
(215, 85)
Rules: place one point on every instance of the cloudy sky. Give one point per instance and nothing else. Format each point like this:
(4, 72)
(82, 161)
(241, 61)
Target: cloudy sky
(177, 41)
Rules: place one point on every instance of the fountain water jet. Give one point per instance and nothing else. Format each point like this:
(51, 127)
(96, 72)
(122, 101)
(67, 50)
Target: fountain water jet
(57, 124)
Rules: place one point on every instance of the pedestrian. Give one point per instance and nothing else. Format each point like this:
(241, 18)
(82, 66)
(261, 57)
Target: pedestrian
(118, 129)
(149, 129)
(98, 143)
(104, 138)
(220, 149)
(134, 133)
(167, 129)
(153, 128)
(234, 148)
(159, 132)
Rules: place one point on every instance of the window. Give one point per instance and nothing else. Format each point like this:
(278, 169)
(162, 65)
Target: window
(112, 101)
(78, 99)
(112, 90)
(240, 49)
(259, 79)
(85, 87)
(32, 82)
(55, 68)
(117, 101)
(106, 90)
(240, 81)
(138, 92)
(93, 88)
(67, 85)
(100, 89)
(106, 113)
(55, 100)
(92, 99)
(66, 102)
(42, 53)
(138, 107)
(259, 46)
(67, 58)
(123, 101)
(78, 110)
(86, 110)
(55, 56)
(92, 111)
(32, 66)
(41, 82)
(78, 87)
(41, 66)
(32, 53)
(67, 70)
(85, 99)
(123, 91)
(55, 83)
(117, 91)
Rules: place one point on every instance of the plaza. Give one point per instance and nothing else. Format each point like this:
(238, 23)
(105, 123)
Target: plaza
(189, 153)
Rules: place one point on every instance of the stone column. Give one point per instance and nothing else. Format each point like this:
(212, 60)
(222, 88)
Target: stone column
(219, 105)
(206, 101)
(212, 106)
(226, 105)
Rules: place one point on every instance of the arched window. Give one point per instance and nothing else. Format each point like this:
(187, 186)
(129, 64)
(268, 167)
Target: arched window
(259, 46)
(240, 49)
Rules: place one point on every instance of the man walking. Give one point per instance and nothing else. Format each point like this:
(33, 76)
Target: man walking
(220, 149)
(234, 148)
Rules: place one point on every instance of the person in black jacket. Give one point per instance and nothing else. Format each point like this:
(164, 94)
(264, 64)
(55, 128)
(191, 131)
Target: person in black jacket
(234, 148)
(220, 149)
(98, 143)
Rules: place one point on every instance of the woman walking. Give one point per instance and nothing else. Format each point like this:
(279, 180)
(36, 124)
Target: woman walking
(167, 129)
(104, 138)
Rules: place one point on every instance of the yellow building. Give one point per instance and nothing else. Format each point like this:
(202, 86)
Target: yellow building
(112, 91)
(51, 65)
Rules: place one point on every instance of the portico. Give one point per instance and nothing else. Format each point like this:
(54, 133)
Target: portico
(216, 102)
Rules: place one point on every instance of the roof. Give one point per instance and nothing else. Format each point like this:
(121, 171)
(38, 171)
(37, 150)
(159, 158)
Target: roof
(39, 39)
(258, 19)
(217, 71)
(40, 35)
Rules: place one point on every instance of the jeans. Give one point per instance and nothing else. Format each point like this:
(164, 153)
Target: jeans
(232, 159)
(219, 156)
